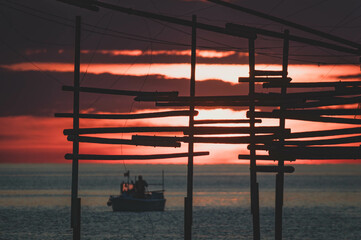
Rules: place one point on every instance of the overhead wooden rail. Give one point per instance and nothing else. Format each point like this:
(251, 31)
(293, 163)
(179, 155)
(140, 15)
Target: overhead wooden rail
(120, 92)
(134, 157)
(130, 116)
(343, 84)
(173, 129)
(288, 23)
(207, 27)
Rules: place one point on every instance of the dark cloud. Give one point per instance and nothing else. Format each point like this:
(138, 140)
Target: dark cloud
(355, 76)
(32, 93)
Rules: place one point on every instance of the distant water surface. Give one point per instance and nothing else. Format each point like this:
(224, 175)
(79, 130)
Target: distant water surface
(321, 202)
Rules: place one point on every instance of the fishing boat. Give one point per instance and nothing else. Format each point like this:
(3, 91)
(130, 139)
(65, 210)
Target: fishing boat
(133, 200)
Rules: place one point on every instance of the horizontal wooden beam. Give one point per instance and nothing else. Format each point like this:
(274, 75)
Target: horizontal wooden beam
(265, 79)
(324, 133)
(304, 117)
(211, 121)
(318, 112)
(261, 157)
(154, 143)
(275, 169)
(327, 102)
(216, 140)
(134, 157)
(288, 23)
(185, 130)
(316, 152)
(267, 73)
(120, 92)
(231, 27)
(313, 84)
(303, 143)
(130, 116)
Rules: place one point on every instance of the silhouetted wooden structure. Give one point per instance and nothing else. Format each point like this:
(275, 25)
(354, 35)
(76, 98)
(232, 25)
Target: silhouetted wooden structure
(305, 106)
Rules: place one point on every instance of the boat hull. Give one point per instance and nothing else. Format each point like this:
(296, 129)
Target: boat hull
(120, 203)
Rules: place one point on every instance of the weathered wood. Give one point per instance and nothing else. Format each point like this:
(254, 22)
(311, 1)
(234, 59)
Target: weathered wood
(211, 121)
(261, 157)
(284, 22)
(185, 130)
(130, 116)
(216, 140)
(303, 143)
(236, 28)
(318, 112)
(275, 169)
(264, 79)
(304, 117)
(120, 92)
(267, 73)
(134, 157)
(330, 153)
(174, 20)
(245, 103)
(235, 130)
(313, 84)
(154, 143)
(324, 103)
(324, 133)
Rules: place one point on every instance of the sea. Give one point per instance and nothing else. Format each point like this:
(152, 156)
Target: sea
(320, 202)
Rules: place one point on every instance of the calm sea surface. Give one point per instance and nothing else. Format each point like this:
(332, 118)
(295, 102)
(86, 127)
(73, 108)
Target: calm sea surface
(321, 202)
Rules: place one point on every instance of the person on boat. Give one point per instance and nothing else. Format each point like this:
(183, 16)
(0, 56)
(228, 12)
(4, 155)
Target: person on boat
(140, 186)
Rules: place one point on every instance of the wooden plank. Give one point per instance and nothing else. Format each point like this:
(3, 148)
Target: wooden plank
(197, 130)
(284, 22)
(235, 130)
(267, 73)
(275, 169)
(236, 28)
(130, 116)
(134, 157)
(154, 143)
(313, 84)
(317, 112)
(215, 140)
(304, 117)
(326, 103)
(261, 157)
(316, 152)
(264, 79)
(211, 121)
(120, 92)
(324, 133)
(300, 143)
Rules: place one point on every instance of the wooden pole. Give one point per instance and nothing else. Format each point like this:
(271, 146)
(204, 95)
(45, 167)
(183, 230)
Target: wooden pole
(189, 205)
(75, 201)
(280, 174)
(253, 172)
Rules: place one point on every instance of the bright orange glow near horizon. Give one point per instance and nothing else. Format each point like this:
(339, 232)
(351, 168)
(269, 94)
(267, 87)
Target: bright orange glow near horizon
(224, 72)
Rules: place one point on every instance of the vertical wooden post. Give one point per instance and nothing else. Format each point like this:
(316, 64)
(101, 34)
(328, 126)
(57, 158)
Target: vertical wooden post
(75, 201)
(253, 173)
(188, 219)
(280, 175)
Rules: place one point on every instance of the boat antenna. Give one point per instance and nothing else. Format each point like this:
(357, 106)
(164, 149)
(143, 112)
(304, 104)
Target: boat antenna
(162, 180)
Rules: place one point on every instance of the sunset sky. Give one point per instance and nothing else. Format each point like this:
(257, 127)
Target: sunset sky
(133, 53)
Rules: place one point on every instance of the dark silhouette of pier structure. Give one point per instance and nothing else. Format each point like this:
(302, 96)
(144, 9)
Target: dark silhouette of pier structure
(282, 145)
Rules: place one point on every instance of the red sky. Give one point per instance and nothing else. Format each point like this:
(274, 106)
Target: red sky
(36, 61)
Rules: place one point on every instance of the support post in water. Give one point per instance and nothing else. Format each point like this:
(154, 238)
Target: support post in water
(189, 199)
(253, 171)
(75, 201)
(280, 174)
